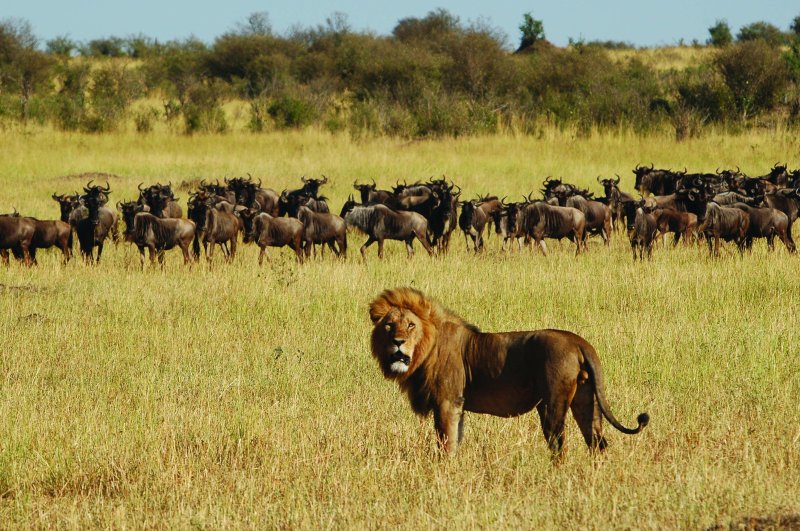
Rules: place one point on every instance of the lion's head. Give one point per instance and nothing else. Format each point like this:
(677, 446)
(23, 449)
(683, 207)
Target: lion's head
(404, 330)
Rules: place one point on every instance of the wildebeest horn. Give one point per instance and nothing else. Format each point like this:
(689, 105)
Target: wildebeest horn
(598, 178)
(56, 197)
(738, 170)
(324, 179)
(303, 178)
(355, 183)
(616, 181)
(119, 205)
(374, 184)
(140, 186)
(652, 166)
(107, 188)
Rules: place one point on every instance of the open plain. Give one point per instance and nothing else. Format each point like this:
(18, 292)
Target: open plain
(236, 396)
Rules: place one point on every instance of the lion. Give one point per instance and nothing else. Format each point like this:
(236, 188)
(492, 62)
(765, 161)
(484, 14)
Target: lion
(447, 366)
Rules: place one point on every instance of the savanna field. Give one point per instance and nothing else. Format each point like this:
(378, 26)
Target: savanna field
(236, 396)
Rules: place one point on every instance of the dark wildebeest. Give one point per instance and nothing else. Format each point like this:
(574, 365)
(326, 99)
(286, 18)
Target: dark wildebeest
(161, 234)
(598, 216)
(786, 200)
(644, 233)
(268, 231)
(778, 175)
(380, 223)
(320, 228)
(250, 194)
(443, 218)
(547, 221)
(128, 211)
(729, 224)
(729, 198)
(161, 201)
(93, 222)
(472, 222)
(657, 182)
(766, 223)
(616, 199)
(221, 228)
(16, 234)
(510, 223)
(679, 223)
(370, 194)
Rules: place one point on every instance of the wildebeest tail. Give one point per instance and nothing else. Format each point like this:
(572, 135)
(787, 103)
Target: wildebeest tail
(596, 375)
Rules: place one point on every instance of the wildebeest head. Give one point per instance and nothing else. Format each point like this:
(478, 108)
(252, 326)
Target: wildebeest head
(311, 186)
(609, 185)
(365, 189)
(66, 204)
(247, 215)
(640, 171)
(129, 209)
(94, 198)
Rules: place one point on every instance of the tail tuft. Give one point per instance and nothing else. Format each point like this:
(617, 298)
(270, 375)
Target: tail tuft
(643, 419)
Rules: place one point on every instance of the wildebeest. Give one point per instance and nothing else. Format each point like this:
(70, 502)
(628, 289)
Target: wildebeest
(268, 231)
(221, 228)
(472, 222)
(547, 221)
(370, 194)
(92, 221)
(161, 234)
(16, 234)
(510, 223)
(160, 200)
(729, 224)
(655, 181)
(729, 198)
(644, 233)
(598, 216)
(51, 233)
(380, 223)
(766, 223)
(677, 222)
(616, 199)
(250, 194)
(321, 228)
(786, 200)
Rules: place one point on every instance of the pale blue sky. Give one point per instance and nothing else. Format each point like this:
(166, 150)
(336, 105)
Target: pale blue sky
(642, 22)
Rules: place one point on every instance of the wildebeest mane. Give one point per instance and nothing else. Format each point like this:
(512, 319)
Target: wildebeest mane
(144, 222)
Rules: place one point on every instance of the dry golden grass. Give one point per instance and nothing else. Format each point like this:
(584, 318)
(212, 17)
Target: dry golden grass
(667, 58)
(233, 396)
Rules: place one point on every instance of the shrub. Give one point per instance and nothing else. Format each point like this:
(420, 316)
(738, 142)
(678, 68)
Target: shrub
(292, 112)
(720, 34)
(755, 74)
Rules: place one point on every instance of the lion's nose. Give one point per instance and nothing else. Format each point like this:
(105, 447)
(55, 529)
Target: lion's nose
(398, 341)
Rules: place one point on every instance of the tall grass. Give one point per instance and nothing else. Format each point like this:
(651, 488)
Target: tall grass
(236, 396)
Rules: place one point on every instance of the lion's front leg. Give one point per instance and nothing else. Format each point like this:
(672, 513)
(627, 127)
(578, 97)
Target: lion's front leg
(448, 420)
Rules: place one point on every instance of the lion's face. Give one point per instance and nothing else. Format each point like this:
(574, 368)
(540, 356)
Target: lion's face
(396, 339)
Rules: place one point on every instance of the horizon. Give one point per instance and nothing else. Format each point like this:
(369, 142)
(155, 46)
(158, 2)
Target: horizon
(642, 26)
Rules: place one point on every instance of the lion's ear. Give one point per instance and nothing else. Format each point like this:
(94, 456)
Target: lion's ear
(377, 310)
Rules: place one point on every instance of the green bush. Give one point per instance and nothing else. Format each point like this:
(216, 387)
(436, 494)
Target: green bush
(292, 112)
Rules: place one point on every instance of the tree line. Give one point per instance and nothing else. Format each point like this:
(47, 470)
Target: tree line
(432, 76)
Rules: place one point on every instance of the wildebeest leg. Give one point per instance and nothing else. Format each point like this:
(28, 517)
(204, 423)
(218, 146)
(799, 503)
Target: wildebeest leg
(676, 238)
(409, 247)
(331, 245)
(187, 258)
(380, 248)
(342, 242)
(716, 245)
(633, 248)
(151, 250)
(261, 255)
(369, 242)
(210, 250)
(586, 412)
(552, 416)
(99, 251)
(4, 256)
(542, 246)
(424, 244)
(141, 255)
(233, 249)
(298, 250)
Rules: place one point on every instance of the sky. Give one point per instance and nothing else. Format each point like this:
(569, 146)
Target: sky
(640, 22)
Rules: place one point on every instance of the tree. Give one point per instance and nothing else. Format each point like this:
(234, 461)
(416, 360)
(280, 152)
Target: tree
(756, 75)
(532, 31)
(795, 26)
(720, 34)
(256, 24)
(22, 66)
(765, 31)
(62, 46)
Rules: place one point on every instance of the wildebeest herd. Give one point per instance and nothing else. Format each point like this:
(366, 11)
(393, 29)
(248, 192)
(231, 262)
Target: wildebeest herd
(726, 205)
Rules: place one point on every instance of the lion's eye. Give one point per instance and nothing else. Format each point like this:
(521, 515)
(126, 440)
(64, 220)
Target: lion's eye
(388, 327)
(411, 326)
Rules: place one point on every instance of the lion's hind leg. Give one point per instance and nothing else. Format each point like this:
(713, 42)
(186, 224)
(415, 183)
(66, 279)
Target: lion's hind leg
(553, 416)
(587, 414)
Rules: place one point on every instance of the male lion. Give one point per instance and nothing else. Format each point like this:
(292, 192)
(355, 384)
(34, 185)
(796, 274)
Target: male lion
(448, 366)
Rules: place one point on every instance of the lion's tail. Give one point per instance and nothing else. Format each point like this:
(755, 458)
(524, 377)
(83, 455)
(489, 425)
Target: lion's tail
(596, 374)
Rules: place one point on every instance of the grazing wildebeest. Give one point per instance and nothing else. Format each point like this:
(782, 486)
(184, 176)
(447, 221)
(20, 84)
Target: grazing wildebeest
(677, 222)
(16, 234)
(380, 223)
(472, 222)
(320, 228)
(644, 233)
(547, 221)
(161, 234)
(598, 216)
(221, 227)
(93, 222)
(268, 231)
(729, 224)
(766, 223)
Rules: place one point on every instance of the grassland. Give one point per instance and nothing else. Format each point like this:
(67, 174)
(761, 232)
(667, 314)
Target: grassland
(233, 396)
